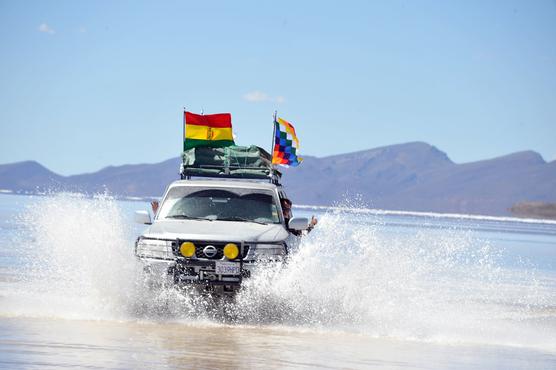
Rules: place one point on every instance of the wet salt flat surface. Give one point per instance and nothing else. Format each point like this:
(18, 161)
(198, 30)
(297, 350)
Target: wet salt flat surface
(46, 343)
(363, 291)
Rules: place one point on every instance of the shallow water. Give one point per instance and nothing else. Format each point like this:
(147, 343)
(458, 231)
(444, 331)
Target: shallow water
(364, 290)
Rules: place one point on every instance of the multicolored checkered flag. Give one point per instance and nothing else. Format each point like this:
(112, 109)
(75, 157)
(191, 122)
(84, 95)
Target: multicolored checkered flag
(286, 144)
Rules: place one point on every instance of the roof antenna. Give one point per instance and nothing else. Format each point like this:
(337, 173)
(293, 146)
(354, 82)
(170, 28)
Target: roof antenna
(202, 111)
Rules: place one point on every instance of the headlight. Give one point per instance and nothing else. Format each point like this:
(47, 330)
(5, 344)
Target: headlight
(153, 248)
(231, 251)
(270, 251)
(187, 249)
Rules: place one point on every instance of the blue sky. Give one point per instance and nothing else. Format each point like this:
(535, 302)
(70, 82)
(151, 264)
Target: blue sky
(87, 84)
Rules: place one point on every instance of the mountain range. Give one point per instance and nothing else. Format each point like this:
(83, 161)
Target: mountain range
(412, 176)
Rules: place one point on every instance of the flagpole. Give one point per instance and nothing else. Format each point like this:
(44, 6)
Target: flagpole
(273, 138)
(183, 137)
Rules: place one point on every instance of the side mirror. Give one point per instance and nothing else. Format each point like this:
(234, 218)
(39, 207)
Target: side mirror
(143, 217)
(299, 223)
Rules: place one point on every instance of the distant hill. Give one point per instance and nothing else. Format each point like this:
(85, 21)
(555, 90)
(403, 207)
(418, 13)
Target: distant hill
(128, 180)
(419, 177)
(535, 210)
(413, 176)
(29, 176)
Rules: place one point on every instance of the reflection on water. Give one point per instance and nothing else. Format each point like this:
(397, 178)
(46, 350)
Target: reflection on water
(363, 290)
(52, 344)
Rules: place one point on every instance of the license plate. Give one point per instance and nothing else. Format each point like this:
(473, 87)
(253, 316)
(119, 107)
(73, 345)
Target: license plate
(226, 268)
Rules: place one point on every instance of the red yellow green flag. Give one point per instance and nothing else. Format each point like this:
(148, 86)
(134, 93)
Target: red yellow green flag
(214, 130)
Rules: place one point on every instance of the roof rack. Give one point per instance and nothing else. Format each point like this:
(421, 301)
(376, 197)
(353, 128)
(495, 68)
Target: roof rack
(234, 162)
(230, 172)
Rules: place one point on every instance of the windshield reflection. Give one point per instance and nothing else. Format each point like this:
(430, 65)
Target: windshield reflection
(246, 205)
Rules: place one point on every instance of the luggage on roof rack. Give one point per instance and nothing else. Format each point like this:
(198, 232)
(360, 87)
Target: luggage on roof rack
(249, 162)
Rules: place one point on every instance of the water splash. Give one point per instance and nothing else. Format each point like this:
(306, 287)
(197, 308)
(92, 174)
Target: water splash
(77, 258)
(353, 273)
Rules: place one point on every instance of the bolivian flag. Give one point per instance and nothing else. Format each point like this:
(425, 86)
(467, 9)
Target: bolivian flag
(213, 130)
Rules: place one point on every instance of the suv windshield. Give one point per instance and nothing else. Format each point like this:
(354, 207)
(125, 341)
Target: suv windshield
(217, 204)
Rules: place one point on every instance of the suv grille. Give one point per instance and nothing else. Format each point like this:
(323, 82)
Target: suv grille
(200, 246)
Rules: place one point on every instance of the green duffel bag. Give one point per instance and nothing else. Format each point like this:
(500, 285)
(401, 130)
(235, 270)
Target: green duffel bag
(250, 173)
(231, 156)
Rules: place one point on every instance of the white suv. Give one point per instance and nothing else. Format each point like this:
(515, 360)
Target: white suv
(213, 233)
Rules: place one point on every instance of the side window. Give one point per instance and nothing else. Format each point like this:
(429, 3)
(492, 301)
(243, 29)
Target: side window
(283, 195)
(282, 198)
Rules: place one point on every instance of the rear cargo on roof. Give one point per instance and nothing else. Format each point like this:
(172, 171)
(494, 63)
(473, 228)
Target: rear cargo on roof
(232, 162)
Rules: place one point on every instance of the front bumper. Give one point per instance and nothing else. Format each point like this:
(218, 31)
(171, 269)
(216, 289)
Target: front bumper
(195, 272)
(202, 272)
(165, 264)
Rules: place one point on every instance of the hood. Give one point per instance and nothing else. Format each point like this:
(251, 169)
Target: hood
(223, 231)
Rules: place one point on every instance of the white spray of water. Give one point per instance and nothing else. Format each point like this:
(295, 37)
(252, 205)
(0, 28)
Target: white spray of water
(441, 285)
(350, 274)
(78, 259)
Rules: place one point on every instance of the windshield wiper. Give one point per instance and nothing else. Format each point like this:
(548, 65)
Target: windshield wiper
(187, 217)
(242, 219)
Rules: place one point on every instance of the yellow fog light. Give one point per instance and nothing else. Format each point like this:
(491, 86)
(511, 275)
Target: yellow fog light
(231, 251)
(187, 249)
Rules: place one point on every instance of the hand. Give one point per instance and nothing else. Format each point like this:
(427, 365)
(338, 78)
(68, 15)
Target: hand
(313, 221)
(154, 206)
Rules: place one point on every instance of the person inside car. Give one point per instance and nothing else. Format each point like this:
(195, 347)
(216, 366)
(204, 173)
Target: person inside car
(287, 210)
